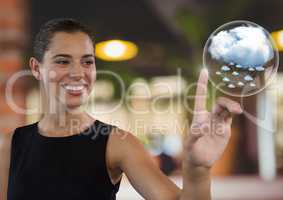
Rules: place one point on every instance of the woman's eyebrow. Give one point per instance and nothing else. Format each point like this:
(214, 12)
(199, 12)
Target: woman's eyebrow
(69, 56)
(88, 55)
(62, 55)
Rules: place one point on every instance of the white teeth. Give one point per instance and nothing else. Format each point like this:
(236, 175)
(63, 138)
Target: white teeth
(76, 88)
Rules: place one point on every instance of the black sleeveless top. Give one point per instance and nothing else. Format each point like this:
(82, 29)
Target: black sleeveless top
(60, 168)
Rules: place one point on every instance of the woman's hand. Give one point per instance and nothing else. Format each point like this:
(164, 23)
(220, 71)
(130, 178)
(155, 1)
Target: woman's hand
(209, 131)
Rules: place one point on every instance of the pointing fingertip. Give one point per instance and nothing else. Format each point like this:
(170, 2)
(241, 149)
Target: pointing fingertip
(238, 111)
(239, 108)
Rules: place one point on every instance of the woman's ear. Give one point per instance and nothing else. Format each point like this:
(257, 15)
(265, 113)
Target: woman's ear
(34, 66)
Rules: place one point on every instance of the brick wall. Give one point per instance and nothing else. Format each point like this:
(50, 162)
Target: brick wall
(12, 42)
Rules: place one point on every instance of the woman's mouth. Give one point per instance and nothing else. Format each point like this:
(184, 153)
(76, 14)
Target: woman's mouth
(75, 90)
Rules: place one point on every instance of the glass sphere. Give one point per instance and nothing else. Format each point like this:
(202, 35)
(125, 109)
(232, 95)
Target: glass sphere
(241, 58)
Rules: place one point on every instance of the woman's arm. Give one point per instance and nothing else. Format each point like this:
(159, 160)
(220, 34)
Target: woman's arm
(208, 137)
(148, 180)
(139, 167)
(5, 149)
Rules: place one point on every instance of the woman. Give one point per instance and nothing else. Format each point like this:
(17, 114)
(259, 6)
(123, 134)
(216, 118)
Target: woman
(70, 155)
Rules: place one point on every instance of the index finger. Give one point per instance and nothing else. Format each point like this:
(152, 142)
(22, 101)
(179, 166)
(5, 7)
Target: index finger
(201, 92)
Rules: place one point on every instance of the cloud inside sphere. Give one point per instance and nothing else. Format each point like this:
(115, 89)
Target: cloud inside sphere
(245, 46)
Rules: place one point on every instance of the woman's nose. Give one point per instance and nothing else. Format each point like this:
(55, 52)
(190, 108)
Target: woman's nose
(76, 71)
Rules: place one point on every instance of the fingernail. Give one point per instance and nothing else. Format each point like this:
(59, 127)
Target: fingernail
(240, 109)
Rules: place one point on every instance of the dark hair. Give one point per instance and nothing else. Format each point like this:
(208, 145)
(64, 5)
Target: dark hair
(48, 30)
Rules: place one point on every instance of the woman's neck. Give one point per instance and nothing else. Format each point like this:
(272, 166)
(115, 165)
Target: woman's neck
(65, 122)
(58, 119)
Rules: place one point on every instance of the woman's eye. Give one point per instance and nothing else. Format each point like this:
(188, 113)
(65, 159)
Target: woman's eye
(62, 62)
(88, 62)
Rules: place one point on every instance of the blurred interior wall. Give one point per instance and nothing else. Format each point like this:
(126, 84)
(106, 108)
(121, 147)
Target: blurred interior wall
(13, 37)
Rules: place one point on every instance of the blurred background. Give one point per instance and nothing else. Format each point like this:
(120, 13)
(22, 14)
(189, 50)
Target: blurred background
(155, 47)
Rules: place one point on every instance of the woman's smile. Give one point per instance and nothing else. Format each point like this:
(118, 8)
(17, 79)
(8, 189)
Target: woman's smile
(75, 89)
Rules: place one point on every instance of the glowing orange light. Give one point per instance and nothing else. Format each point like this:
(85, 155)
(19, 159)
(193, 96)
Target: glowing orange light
(116, 50)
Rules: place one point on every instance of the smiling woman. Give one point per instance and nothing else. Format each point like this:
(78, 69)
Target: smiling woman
(58, 151)
(68, 154)
(67, 64)
(70, 74)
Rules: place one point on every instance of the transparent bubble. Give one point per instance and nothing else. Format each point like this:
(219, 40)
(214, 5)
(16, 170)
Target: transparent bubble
(241, 58)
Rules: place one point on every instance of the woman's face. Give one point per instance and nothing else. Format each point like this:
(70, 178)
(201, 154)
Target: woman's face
(68, 69)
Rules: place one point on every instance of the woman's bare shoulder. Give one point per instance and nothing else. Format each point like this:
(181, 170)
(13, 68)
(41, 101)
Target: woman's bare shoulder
(123, 138)
(120, 141)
